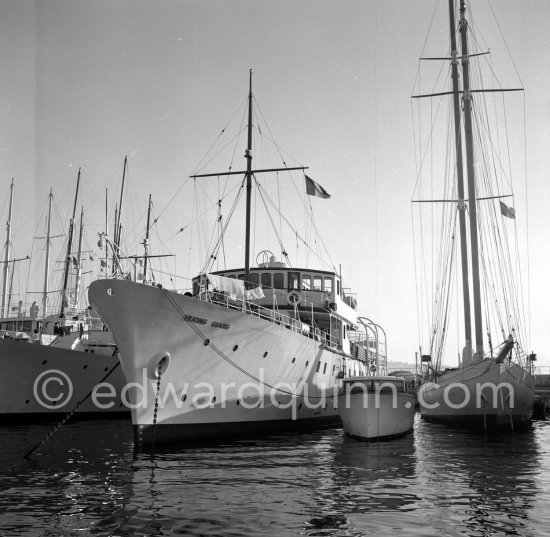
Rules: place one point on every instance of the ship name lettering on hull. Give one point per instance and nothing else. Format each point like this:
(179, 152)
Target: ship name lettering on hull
(202, 320)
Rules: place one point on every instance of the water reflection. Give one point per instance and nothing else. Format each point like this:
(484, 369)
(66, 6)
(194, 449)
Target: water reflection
(87, 480)
(476, 484)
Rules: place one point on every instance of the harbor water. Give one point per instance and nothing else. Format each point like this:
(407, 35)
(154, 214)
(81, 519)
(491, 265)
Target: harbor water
(87, 480)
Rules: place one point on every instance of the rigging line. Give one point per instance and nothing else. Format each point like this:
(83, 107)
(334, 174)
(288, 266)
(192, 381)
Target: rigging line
(234, 139)
(241, 107)
(220, 353)
(435, 9)
(220, 221)
(505, 42)
(171, 200)
(527, 223)
(418, 310)
(271, 138)
(272, 203)
(423, 153)
(279, 204)
(281, 245)
(220, 238)
(212, 207)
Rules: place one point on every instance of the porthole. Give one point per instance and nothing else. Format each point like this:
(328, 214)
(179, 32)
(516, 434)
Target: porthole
(184, 398)
(85, 366)
(265, 354)
(307, 363)
(44, 362)
(325, 368)
(235, 348)
(206, 342)
(293, 359)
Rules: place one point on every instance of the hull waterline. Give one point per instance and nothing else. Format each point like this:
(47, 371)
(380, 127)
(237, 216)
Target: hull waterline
(43, 382)
(483, 395)
(222, 371)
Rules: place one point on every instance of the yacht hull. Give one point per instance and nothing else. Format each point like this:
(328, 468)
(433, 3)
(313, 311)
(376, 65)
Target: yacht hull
(47, 382)
(223, 372)
(483, 395)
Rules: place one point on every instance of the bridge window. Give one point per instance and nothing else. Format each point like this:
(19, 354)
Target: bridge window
(241, 276)
(306, 281)
(293, 281)
(266, 279)
(328, 284)
(317, 283)
(278, 280)
(255, 278)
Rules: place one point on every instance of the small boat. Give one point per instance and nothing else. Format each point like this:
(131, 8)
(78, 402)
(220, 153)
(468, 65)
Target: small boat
(376, 407)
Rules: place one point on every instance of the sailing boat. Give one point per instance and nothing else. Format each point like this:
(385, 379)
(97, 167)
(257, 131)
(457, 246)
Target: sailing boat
(250, 349)
(493, 388)
(51, 362)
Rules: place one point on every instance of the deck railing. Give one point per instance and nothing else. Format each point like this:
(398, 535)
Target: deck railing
(273, 315)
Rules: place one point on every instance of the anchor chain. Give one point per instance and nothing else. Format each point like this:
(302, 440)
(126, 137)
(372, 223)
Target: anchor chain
(155, 412)
(70, 414)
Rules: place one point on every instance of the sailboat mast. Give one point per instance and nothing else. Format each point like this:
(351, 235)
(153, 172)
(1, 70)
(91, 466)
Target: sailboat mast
(117, 228)
(79, 256)
(468, 133)
(248, 156)
(146, 241)
(64, 297)
(460, 184)
(3, 312)
(47, 266)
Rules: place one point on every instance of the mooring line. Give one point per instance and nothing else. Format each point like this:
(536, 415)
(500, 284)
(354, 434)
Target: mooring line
(70, 414)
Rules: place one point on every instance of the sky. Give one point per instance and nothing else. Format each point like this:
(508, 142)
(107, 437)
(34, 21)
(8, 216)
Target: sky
(85, 83)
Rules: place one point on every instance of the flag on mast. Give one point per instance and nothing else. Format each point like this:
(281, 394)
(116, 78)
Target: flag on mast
(509, 212)
(315, 189)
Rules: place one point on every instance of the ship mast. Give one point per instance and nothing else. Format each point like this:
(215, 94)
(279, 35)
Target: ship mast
(79, 257)
(64, 297)
(6, 261)
(47, 267)
(146, 242)
(468, 134)
(117, 228)
(248, 156)
(460, 188)
(249, 173)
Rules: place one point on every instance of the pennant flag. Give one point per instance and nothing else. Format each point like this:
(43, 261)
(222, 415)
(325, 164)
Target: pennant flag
(315, 189)
(509, 212)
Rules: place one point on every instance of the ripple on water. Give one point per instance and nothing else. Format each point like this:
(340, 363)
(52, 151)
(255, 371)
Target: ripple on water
(87, 481)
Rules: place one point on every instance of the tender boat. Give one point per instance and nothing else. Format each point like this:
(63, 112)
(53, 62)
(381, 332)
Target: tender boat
(376, 407)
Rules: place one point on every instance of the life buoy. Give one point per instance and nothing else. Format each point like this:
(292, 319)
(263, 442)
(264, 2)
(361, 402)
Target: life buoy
(294, 298)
